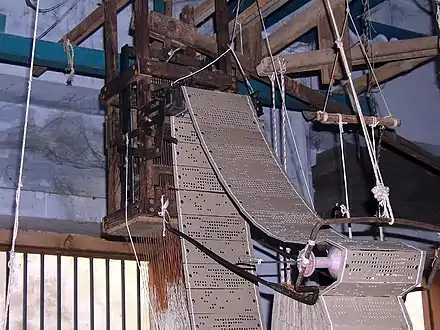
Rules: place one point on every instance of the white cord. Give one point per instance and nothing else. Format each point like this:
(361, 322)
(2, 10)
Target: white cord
(345, 209)
(274, 115)
(144, 276)
(269, 49)
(163, 213)
(14, 265)
(380, 191)
(364, 51)
(282, 65)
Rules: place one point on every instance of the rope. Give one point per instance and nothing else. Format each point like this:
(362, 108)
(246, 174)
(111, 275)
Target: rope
(172, 52)
(282, 65)
(367, 60)
(274, 112)
(164, 213)
(380, 191)
(283, 99)
(345, 209)
(70, 52)
(13, 264)
(144, 276)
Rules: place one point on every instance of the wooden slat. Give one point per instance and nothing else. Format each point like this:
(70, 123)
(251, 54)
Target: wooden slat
(84, 29)
(203, 11)
(84, 285)
(383, 52)
(115, 295)
(33, 292)
(99, 294)
(50, 292)
(67, 293)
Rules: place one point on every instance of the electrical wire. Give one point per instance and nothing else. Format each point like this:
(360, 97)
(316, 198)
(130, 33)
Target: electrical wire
(33, 6)
(58, 20)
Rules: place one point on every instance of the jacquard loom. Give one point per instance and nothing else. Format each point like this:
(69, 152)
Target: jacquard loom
(199, 181)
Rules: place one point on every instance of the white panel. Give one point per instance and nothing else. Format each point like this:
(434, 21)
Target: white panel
(16, 306)
(2, 282)
(99, 293)
(84, 293)
(33, 291)
(67, 293)
(131, 297)
(115, 295)
(50, 292)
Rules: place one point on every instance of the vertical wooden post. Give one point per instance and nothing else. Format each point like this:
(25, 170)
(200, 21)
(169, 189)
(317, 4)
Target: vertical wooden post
(187, 16)
(169, 7)
(222, 31)
(112, 117)
(252, 44)
(326, 40)
(142, 53)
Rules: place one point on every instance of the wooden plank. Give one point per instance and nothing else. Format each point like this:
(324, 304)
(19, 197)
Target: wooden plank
(69, 245)
(85, 29)
(221, 28)
(112, 118)
(383, 52)
(252, 44)
(385, 73)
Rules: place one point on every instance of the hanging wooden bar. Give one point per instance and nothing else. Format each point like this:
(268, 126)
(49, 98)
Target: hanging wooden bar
(326, 117)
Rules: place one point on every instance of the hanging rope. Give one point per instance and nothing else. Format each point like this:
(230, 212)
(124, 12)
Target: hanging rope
(274, 116)
(164, 213)
(70, 53)
(345, 209)
(380, 191)
(282, 65)
(13, 264)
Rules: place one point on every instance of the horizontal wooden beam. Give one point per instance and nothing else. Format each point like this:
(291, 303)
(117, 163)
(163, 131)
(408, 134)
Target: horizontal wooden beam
(84, 29)
(65, 244)
(385, 73)
(382, 52)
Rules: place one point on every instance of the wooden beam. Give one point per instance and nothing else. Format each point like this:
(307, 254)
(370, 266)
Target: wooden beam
(113, 131)
(186, 34)
(303, 21)
(221, 28)
(251, 14)
(326, 40)
(252, 44)
(203, 11)
(187, 16)
(142, 54)
(385, 73)
(65, 244)
(383, 52)
(85, 29)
